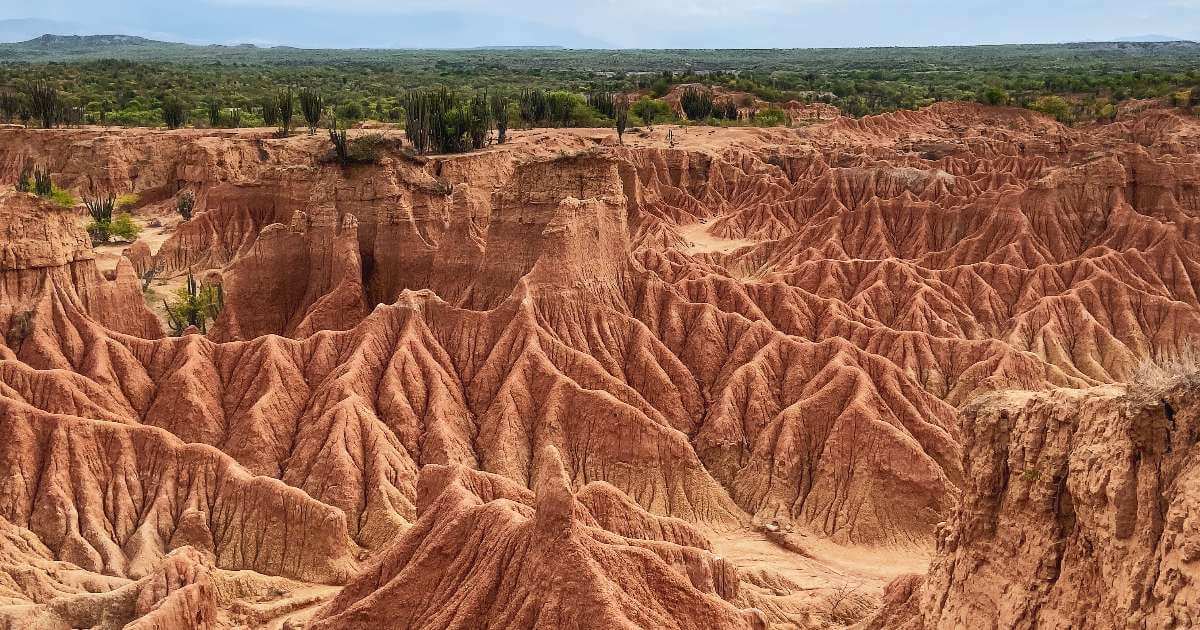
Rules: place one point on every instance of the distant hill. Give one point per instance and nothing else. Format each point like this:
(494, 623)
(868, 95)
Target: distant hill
(66, 48)
(1151, 38)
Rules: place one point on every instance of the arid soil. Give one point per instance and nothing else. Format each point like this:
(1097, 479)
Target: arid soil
(863, 372)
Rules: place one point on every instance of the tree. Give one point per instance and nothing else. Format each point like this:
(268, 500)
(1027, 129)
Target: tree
(650, 110)
(1055, 106)
(993, 95)
(621, 116)
(311, 106)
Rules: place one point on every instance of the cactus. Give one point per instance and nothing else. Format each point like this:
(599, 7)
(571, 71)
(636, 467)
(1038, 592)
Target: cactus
(270, 111)
(185, 204)
(101, 211)
(42, 185)
(603, 102)
(340, 146)
(25, 180)
(500, 116)
(621, 117)
(194, 305)
(534, 107)
(173, 112)
(284, 101)
(311, 105)
(214, 111)
(43, 103)
(10, 105)
(697, 102)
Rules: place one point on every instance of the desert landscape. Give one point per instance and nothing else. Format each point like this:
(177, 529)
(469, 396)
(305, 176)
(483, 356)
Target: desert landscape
(923, 369)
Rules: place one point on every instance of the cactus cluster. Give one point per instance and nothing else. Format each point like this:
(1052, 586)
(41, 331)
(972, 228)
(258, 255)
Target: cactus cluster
(44, 103)
(500, 116)
(270, 111)
(185, 204)
(311, 105)
(697, 102)
(194, 305)
(603, 102)
(173, 111)
(441, 121)
(284, 105)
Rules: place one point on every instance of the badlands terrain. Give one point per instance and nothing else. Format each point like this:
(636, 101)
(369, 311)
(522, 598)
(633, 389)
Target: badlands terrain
(916, 370)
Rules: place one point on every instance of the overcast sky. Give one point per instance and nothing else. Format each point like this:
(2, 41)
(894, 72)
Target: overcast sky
(608, 23)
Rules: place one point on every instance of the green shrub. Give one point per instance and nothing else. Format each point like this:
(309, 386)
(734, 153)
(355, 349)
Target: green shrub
(98, 232)
(994, 96)
(124, 228)
(771, 117)
(650, 110)
(368, 148)
(194, 305)
(1055, 106)
(127, 201)
(63, 198)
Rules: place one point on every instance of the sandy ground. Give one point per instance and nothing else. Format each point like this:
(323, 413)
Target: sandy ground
(701, 242)
(159, 289)
(828, 563)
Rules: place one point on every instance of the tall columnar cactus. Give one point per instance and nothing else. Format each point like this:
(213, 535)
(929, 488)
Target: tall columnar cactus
(621, 117)
(603, 102)
(194, 305)
(285, 101)
(270, 111)
(184, 205)
(697, 102)
(173, 112)
(311, 105)
(42, 185)
(337, 135)
(214, 111)
(500, 116)
(44, 103)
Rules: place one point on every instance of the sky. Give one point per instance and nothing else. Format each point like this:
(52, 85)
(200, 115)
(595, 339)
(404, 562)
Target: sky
(607, 23)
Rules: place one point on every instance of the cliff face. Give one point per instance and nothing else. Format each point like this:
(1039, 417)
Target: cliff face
(1079, 510)
(781, 327)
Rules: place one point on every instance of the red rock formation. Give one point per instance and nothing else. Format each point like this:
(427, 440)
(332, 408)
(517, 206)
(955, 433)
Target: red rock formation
(1079, 510)
(487, 553)
(755, 325)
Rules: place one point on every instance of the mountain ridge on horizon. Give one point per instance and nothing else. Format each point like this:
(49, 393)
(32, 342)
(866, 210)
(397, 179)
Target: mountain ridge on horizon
(118, 39)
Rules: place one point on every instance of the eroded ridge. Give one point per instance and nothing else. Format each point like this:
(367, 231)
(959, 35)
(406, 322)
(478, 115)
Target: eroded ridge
(753, 326)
